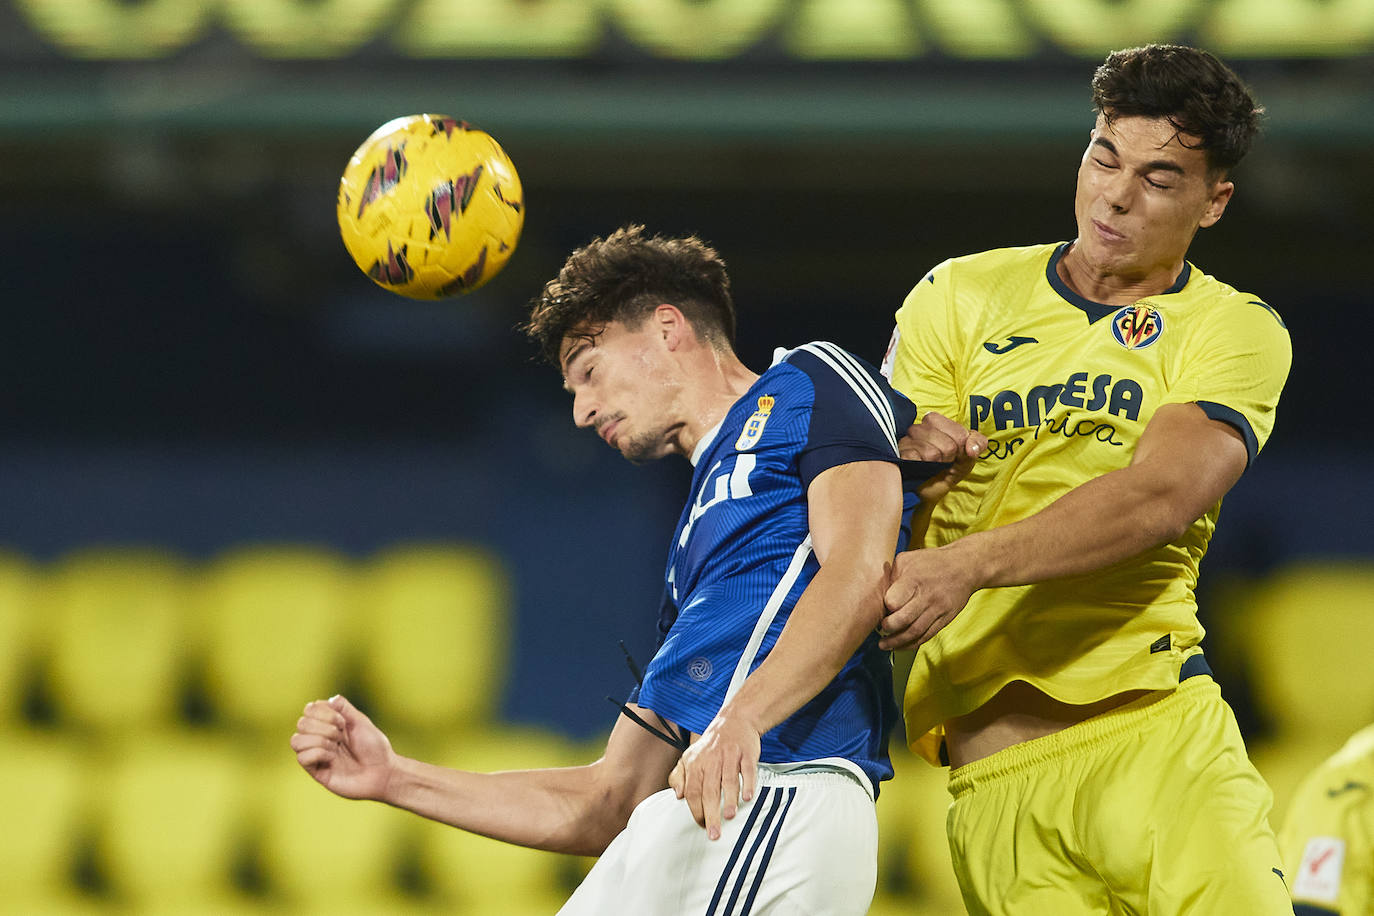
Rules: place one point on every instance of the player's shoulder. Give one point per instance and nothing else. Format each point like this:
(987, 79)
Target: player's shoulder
(1224, 303)
(832, 372)
(1346, 778)
(997, 260)
(1357, 751)
(826, 362)
(983, 271)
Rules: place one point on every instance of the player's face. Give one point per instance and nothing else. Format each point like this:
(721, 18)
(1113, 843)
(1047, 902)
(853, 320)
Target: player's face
(625, 389)
(1142, 195)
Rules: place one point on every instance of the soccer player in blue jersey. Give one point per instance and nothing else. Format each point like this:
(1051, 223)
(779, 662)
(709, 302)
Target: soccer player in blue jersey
(767, 650)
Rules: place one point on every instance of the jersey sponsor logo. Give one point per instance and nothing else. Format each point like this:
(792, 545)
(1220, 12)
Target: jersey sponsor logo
(753, 427)
(1319, 876)
(1012, 343)
(699, 668)
(1135, 327)
(730, 483)
(1013, 410)
(1350, 785)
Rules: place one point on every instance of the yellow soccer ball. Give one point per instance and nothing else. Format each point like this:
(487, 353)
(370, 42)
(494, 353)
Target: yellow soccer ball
(430, 207)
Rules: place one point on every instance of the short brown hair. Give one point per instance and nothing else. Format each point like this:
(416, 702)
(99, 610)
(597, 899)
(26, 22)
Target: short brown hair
(1195, 92)
(624, 277)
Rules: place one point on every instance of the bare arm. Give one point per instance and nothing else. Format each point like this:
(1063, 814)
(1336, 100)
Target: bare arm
(575, 810)
(1184, 463)
(855, 513)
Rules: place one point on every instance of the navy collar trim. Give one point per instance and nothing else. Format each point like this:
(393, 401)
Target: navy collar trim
(1096, 310)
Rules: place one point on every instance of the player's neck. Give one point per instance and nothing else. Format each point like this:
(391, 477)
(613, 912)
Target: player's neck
(1103, 285)
(723, 380)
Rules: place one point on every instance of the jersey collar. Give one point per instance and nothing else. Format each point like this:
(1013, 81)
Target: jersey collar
(1096, 310)
(706, 441)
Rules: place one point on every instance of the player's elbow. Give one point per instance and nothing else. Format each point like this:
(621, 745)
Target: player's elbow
(591, 840)
(586, 832)
(600, 813)
(1168, 521)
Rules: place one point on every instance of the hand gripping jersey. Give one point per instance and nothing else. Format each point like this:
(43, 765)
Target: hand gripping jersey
(741, 557)
(1327, 839)
(1063, 388)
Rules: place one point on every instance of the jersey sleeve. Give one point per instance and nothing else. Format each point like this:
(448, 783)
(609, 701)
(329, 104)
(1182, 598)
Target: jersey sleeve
(855, 414)
(919, 361)
(1238, 370)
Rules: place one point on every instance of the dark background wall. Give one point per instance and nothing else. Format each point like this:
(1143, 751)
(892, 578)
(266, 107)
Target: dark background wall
(192, 362)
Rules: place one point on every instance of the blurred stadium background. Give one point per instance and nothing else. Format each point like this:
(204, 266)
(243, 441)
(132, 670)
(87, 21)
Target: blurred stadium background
(235, 475)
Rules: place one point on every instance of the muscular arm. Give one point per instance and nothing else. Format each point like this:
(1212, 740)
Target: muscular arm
(855, 513)
(1183, 464)
(575, 810)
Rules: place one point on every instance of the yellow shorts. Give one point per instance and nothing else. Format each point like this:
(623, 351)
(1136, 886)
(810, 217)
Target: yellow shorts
(1152, 808)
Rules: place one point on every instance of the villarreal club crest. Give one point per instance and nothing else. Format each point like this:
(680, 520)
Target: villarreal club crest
(1135, 327)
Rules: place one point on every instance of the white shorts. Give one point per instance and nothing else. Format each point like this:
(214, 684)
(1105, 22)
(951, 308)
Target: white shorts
(806, 844)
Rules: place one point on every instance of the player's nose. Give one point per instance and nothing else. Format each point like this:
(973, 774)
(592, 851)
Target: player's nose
(584, 410)
(1118, 191)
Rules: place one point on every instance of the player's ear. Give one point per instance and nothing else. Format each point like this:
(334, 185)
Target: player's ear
(671, 324)
(1216, 205)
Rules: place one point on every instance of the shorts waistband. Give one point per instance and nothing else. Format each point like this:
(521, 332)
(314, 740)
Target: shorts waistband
(1193, 689)
(788, 773)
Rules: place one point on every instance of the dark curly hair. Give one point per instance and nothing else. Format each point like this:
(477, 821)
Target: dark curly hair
(624, 277)
(1198, 94)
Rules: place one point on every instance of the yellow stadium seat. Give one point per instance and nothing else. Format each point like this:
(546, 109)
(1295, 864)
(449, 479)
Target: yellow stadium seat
(118, 638)
(1308, 634)
(19, 649)
(275, 623)
(434, 630)
(45, 787)
(887, 903)
(1284, 762)
(325, 854)
(480, 875)
(172, 820)
(1310, 637)
(913, 854)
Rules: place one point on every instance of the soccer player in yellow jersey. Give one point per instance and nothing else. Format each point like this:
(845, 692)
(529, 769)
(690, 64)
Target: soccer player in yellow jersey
(1057, 668)
(1327, 838)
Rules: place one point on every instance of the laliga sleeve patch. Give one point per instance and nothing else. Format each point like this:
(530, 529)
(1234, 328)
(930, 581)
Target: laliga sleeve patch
(1319, 877)
(890, 357)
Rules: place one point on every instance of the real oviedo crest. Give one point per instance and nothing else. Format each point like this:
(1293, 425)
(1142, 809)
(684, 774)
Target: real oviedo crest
(1135, 327)
(753, 427)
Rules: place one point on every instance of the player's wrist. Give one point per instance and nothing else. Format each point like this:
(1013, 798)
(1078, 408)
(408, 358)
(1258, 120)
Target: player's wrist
(740, 712)
(974, 561)
(401, 779)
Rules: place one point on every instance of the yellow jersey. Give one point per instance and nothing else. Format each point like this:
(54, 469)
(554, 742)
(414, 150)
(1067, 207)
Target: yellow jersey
(1063, 387)
(1327, 840)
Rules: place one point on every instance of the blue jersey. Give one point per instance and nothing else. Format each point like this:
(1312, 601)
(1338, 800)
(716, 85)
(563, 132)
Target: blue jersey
(741, 556)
